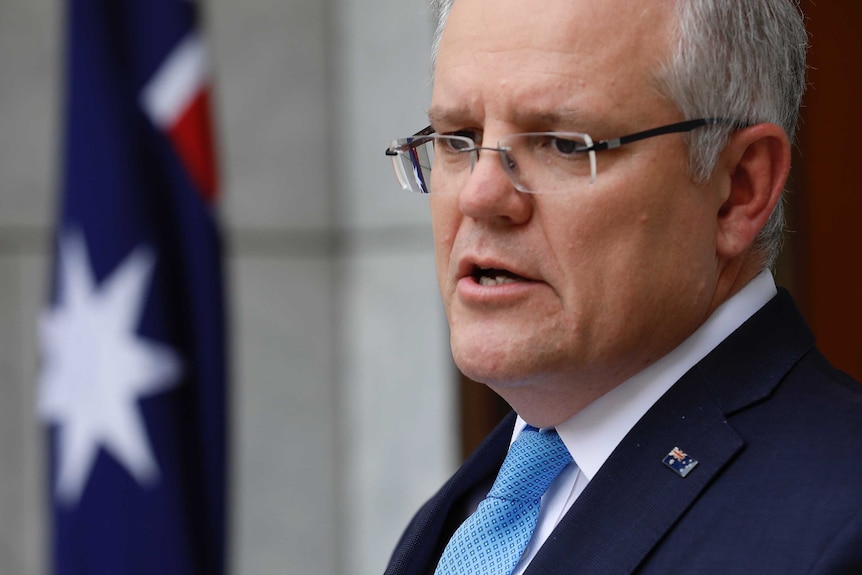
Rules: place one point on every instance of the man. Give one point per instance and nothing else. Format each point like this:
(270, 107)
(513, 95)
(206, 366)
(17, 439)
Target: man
(615, 292)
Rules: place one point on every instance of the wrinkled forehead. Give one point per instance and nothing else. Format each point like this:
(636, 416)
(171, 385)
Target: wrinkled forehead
(611, 47)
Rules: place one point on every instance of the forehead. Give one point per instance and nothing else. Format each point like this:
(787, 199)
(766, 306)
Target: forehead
(569, 58)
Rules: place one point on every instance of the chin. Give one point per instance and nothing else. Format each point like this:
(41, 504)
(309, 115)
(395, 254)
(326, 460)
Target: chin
(508, 350)
(478, 365)
(494, 366)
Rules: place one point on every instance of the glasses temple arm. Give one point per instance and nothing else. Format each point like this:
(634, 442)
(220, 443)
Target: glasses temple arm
(426, 131)
(678, 127)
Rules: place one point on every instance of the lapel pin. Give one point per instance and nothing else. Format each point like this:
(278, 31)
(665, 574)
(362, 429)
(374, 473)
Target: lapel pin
(680, 461)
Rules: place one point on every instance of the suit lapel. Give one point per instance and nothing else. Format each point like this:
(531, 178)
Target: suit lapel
(635, 498)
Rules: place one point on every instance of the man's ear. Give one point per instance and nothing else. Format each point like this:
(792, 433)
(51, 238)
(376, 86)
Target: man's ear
(756, 162)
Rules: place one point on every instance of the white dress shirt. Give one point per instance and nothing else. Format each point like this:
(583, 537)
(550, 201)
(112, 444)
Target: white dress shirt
(593, 433)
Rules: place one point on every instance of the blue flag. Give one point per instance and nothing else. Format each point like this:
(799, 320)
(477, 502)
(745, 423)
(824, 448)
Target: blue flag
(132, 384)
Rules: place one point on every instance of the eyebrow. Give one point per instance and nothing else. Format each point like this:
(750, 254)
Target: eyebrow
(446, 116)
(570, 118)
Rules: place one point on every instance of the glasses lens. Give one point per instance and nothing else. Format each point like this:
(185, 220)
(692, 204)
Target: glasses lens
(412, 163)
(449, 157)
(548, 161)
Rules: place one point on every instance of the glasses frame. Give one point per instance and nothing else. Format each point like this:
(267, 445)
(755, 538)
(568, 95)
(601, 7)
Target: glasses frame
(402, 146)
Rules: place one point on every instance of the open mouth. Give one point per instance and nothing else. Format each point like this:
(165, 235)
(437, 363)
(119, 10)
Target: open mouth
(495, 277)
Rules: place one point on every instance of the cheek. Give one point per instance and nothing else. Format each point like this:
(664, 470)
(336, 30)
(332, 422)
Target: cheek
(583, 235)
(445, 219)
(612, 245)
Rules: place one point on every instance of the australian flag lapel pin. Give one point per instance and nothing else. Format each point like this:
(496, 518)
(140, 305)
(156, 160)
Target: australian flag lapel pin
(680, 461)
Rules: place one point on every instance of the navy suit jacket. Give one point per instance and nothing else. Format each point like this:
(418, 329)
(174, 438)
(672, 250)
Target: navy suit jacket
(777, 433)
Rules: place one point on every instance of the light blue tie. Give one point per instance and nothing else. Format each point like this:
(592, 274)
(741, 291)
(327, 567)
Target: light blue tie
(492, 540)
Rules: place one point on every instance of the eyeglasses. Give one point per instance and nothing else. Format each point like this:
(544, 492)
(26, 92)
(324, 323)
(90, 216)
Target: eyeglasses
(536, 162)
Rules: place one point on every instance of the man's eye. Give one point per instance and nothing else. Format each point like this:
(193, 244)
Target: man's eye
(452, 145)
(472, 135)
(564, 146)
(455, 142)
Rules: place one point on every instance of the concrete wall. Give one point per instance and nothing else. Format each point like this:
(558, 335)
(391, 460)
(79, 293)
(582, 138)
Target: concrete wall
(343, 386)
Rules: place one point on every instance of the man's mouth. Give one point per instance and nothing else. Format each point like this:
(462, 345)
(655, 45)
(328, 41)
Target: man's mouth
(495, 277)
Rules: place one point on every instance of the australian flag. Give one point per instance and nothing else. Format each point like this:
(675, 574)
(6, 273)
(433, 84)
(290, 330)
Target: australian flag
(132, 384)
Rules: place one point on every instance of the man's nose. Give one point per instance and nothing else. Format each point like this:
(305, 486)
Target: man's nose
(489, 193)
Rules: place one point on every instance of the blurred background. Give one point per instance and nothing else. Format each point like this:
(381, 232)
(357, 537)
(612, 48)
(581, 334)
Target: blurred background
(346, 410)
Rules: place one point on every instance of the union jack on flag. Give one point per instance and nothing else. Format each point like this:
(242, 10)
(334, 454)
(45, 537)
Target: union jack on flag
(133, 375)
(680, 461)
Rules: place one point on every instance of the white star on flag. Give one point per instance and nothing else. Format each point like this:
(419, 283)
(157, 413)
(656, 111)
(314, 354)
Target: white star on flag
(96, 368)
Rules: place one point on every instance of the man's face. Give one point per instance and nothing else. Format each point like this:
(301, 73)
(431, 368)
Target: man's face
(608, 277)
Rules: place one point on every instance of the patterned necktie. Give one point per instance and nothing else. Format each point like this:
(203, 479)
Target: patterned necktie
(492, 540)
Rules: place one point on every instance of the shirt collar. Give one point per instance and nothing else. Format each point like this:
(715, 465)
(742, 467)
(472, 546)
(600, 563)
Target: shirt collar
(593, 433)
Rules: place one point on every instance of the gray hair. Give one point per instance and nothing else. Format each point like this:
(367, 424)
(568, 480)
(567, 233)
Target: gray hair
(738, 59)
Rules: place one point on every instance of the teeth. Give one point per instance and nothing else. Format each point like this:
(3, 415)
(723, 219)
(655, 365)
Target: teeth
(496, 281)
